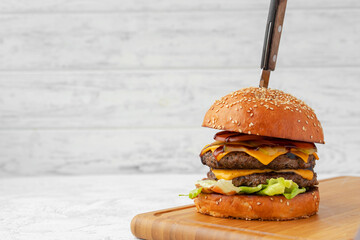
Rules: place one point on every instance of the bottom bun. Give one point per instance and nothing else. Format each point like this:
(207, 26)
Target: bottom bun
(256, 207)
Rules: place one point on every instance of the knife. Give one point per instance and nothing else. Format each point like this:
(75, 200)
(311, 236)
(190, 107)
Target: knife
(274, 27)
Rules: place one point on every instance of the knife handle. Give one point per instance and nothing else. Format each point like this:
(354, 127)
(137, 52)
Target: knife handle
(273, 32)
(268, 34)
(278, 27)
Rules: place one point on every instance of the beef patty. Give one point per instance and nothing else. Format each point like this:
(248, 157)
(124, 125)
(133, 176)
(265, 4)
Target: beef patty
(260, 178)
(242, 160)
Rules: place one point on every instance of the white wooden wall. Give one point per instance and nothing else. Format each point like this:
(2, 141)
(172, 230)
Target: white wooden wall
(121, 86)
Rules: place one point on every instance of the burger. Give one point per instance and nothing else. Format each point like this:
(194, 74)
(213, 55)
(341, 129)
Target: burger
(262, 159)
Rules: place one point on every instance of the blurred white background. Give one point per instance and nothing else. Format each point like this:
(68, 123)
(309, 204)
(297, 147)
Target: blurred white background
(100, 87)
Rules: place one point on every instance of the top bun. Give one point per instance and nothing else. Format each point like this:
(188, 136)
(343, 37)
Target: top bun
(265, 112)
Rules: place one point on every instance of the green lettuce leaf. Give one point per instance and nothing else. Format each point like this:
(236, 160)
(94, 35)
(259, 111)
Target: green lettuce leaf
(279, 186)
(193, 193)
(293, 190)
(250, 190)
(274, 186)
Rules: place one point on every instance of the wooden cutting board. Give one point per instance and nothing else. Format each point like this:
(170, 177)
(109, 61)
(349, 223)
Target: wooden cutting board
(338, 218)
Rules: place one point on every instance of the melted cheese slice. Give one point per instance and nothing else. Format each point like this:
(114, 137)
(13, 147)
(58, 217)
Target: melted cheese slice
(264, 158)
(300, 154)
(258, 154)
(229, 174)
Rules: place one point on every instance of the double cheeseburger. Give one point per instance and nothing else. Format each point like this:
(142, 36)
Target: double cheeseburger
(261, 162)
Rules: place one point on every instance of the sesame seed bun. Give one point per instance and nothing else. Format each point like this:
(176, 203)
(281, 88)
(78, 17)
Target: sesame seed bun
(265, 112)
(251, 207)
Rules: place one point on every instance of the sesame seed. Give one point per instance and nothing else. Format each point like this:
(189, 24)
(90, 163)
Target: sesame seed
(271, 199)
(251, 124)
(287, 203)
(249, 132)
(217, 203)
(230, 118)
(281, 200)
(258, 203)
(307, 122)
(304, 128)
(220, 200)
(299, 120)
(240, 107)
(250, 206)
(217, 110)
(311, 137)
(251, 114)
(205, 197)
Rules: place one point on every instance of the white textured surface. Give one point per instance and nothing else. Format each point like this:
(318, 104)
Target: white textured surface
(166, 98)
(86, 208)
(45, 6)
(140, 150)
(190, 39)
(121, 86)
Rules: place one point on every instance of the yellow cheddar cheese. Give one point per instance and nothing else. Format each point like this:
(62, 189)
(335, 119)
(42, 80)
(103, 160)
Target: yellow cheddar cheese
(229, 174)
(262, 157)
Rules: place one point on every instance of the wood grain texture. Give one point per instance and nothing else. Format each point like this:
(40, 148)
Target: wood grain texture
(174, 40)
(171, 98)
(338, 218)
(169, 5)
(32, 152)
